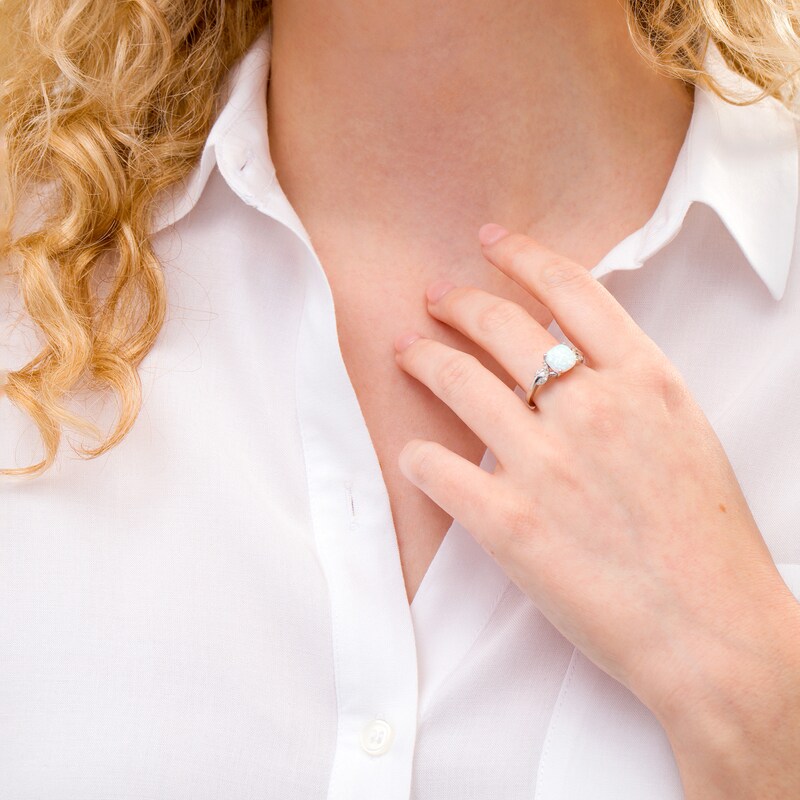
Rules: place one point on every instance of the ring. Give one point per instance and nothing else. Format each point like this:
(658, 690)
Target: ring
(558, 359)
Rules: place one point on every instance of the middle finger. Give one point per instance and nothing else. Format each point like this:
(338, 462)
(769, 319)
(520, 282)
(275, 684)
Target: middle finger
(500, 326)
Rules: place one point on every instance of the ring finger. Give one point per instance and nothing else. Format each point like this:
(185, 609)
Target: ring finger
(500, 326)
(473, 393)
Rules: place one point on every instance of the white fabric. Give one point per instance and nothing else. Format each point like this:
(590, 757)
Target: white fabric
(215, 609)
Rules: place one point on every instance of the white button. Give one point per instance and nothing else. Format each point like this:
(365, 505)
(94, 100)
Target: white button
(376, 737)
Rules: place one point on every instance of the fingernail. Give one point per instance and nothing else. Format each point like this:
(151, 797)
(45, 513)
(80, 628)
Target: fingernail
(491, 233)
(438, 289)
(405, 339)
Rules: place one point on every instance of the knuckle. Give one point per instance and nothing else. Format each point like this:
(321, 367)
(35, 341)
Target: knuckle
(594, 412)
(662, 381)
(453, 373)
(523, 253)
(498, 315)
(419, 457)
(518, 522)
(558, 273)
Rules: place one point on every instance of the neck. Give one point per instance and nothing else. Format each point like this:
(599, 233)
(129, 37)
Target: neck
(419, 120)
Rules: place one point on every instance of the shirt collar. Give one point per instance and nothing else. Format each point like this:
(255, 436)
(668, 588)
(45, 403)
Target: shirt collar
(741, 161)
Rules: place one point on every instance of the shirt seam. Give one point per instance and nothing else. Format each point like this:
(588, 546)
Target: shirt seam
(554, 725)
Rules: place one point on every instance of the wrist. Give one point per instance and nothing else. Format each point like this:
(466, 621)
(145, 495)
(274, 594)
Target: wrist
(732, 715)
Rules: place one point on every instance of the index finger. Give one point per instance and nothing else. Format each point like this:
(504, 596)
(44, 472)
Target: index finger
(589, 315)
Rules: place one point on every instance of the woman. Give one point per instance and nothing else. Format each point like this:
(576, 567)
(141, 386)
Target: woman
(350, 537)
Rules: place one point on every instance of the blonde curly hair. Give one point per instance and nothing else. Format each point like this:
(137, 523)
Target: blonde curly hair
(107, 103)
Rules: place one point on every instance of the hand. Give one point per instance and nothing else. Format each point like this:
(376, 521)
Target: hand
(613, 506)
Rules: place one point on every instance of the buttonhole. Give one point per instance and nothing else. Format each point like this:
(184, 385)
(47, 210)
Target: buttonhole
(348, 487)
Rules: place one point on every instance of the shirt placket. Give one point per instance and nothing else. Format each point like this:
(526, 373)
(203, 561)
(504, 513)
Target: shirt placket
(373, 640)
(372, 636)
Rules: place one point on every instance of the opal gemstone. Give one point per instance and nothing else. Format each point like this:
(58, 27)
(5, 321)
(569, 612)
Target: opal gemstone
(560, 358)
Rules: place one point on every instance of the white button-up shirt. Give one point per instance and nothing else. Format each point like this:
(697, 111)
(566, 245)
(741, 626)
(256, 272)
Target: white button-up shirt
(215, 608)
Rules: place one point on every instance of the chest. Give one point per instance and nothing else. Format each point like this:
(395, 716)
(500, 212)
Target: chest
(397, 408)
(374, 301)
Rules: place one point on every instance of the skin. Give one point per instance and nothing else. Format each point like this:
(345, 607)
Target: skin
(434, 119)
(704, 630)
(397, 129)
(438, 116)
